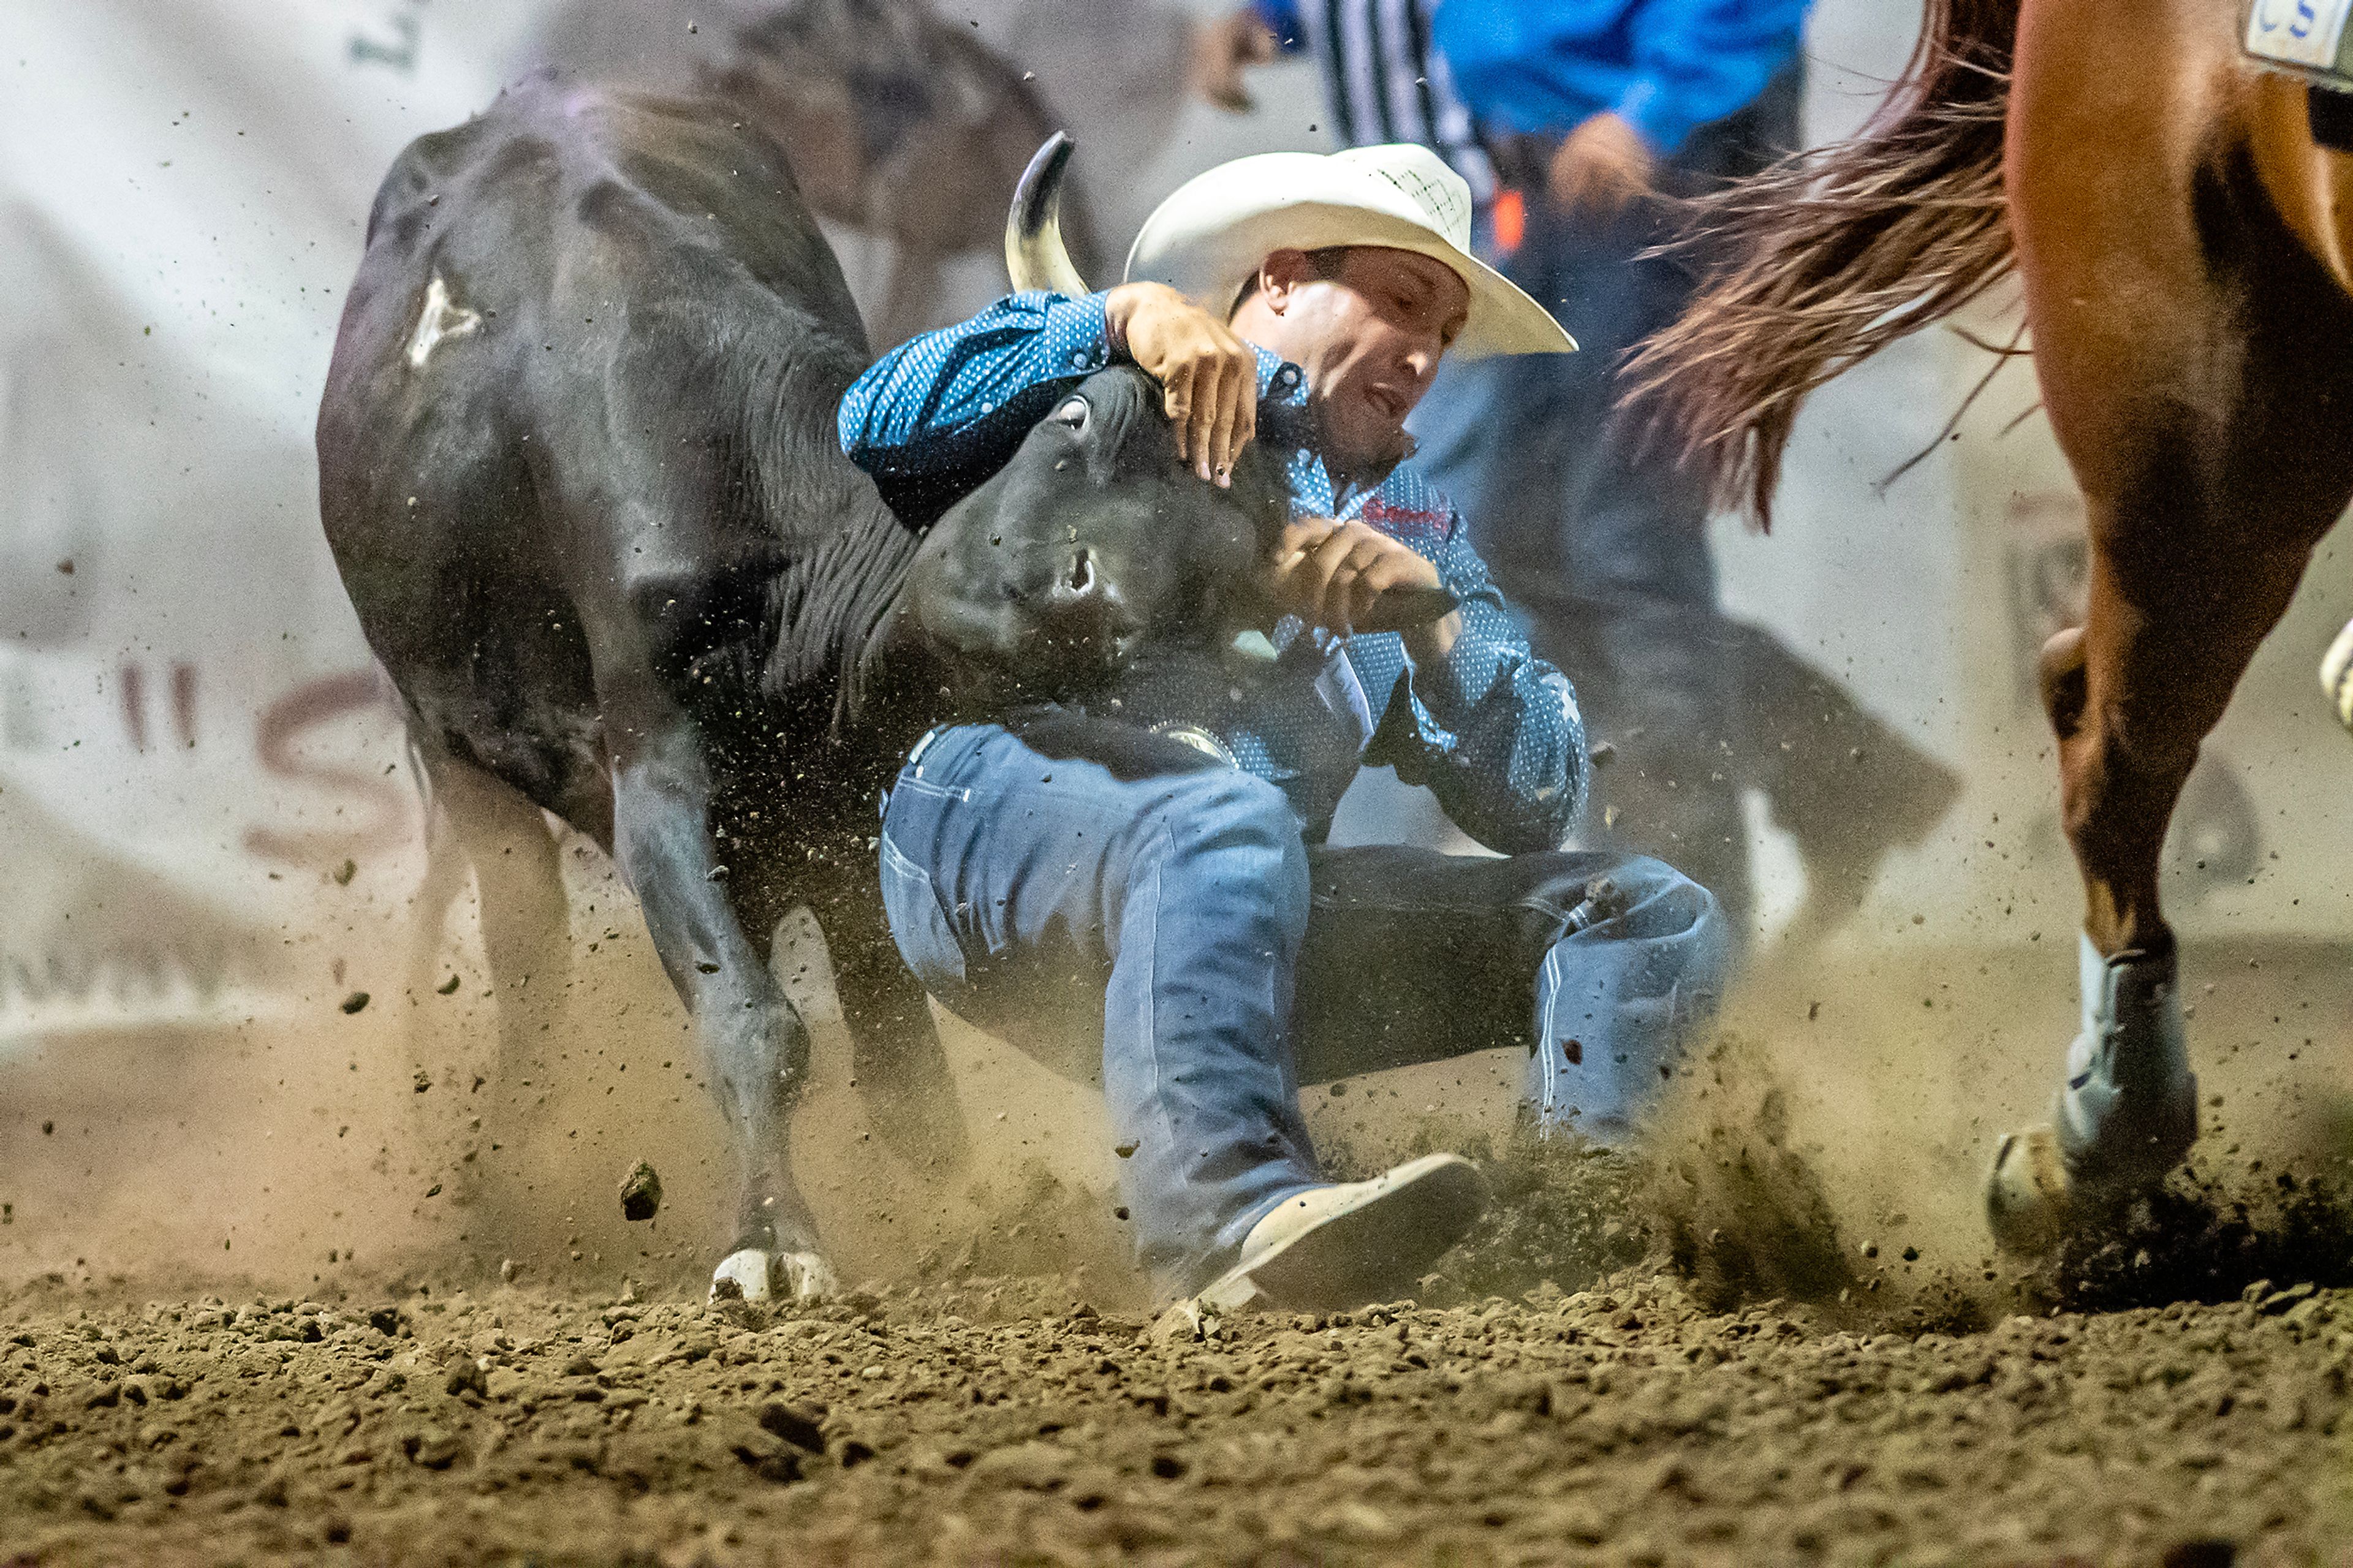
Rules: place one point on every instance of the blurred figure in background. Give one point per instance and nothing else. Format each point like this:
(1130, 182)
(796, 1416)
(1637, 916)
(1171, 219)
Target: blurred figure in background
(1576, 123)
(902, 125)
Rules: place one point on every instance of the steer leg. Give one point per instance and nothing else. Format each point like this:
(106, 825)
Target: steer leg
(895, 1047)
(754, 1044)
(481, 825)
(507, 844)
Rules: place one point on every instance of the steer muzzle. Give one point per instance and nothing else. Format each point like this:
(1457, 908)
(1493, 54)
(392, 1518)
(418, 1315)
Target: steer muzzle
(1084, 622)
(1079, 581)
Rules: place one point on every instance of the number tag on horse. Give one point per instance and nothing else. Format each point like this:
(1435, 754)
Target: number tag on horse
(2304, 33)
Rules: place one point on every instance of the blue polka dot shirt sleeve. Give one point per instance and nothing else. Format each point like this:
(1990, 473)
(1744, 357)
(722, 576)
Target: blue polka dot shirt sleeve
(1492, 729)
(940, 409)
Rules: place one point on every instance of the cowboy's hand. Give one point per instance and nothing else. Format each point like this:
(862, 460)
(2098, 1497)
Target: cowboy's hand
(1207, 375)
(1603, 165)
(1221, 51)
(1334, 575)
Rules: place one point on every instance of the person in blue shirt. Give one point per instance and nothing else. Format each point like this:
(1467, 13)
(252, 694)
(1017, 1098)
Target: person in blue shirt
(1617, 97)
(1573, 120)
(1165, 916)
(1594, 111)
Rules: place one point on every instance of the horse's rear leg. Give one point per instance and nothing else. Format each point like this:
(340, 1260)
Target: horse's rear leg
(2190, 349)
(2188, 577)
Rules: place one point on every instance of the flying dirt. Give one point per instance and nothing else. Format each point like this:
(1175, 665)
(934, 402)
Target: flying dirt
(1784, 1339)
(1011, 1421)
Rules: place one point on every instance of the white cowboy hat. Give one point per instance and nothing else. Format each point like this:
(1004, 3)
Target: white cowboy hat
(1207, 239)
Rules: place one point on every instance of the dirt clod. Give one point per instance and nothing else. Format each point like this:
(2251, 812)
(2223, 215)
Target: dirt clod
(795, 1426)
(641, 1193)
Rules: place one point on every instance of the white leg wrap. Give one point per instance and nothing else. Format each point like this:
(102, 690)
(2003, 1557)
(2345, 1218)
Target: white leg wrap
(2125, 1116)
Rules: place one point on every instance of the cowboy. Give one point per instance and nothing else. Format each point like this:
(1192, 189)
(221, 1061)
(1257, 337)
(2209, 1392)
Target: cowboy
(1182, 931)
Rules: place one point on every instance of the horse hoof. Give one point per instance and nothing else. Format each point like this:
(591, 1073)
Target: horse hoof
(755, 1275)
(2127, 1114)
(2030, 1199)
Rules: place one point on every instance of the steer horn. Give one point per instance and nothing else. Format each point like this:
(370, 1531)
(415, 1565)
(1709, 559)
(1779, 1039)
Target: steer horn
(1034, 255)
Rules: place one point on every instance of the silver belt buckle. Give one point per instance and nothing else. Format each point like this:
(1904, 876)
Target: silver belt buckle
(1200, 740)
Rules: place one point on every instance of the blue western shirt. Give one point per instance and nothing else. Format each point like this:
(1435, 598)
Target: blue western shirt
(1668, 67)
(1493, 729)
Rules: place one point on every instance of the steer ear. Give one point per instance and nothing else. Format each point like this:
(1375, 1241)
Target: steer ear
(1034, 254)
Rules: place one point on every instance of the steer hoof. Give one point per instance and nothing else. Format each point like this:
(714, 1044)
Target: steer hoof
(755, 1275)
(806, 1277)
(2336, 676)
(2030, 1201)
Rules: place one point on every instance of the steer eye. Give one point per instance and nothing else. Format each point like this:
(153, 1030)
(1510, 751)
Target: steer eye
(1071, 415)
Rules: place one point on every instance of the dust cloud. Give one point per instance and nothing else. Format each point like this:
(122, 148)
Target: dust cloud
(1825, 1144)
(1777, 1331)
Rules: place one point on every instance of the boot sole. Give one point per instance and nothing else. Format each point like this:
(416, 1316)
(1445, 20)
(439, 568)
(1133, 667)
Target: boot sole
(1376, 1249)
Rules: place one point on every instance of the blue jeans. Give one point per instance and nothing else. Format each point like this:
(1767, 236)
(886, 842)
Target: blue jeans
(1144, 916)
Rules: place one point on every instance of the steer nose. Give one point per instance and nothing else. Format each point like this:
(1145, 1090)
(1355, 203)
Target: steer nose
(1085, 613)
(1078, 580)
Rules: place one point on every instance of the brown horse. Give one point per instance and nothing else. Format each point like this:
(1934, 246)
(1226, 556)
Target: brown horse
(2182, 242)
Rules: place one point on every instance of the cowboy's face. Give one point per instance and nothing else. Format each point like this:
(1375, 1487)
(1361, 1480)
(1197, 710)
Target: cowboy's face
(1368, 336)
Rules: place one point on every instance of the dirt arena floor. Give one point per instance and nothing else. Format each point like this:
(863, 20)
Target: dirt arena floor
(1011, 1424)
(295, 1289)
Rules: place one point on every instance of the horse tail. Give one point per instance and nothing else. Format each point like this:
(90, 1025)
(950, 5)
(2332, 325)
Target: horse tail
(1827, 257)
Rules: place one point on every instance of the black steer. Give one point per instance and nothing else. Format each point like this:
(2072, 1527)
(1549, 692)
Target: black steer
(578, 467)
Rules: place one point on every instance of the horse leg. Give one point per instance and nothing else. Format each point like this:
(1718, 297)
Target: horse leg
(714, 943)
(2194, 558)
(2189, 345)
(895, 1047)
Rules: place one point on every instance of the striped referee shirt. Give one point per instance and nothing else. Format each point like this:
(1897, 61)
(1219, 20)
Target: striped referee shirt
(1415, 70)
(1384, 79)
